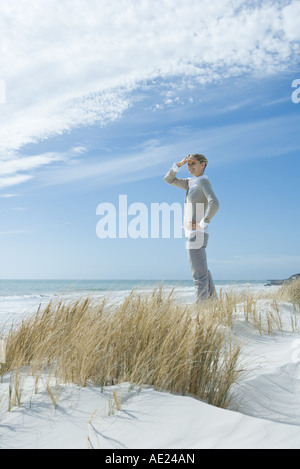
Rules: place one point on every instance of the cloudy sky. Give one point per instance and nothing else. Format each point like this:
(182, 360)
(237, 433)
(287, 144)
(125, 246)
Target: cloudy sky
(99, 98)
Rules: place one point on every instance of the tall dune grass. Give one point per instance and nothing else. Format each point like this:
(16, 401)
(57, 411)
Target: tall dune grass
(147, 339)
(290, 291)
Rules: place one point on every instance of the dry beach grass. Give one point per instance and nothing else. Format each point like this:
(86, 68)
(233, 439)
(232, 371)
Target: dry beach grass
(147, 339)
(290, 291)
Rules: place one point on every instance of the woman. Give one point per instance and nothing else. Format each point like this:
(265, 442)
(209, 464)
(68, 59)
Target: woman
(201, 204)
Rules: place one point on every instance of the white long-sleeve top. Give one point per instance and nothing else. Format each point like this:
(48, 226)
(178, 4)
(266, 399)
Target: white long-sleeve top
(198, 190)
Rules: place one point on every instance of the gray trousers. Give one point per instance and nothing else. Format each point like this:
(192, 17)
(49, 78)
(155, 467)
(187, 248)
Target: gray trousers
(203, 281)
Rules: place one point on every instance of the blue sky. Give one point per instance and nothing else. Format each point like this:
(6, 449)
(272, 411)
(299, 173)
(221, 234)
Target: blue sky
(100, 104)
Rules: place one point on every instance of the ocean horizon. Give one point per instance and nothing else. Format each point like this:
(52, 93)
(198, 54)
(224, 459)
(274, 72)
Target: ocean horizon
(10, 287)
(19, 297)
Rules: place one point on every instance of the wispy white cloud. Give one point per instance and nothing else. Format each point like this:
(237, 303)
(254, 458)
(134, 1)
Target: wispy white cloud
(17, 170)
(68, 63)
(223, 145)
(8, 196)
(15, 165)
(14, 180)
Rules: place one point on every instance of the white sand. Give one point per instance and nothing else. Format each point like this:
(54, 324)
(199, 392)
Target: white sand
(265, 409)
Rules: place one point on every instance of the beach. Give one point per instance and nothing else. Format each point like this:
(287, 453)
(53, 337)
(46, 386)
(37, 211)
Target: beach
(149, 151)
(264, 410)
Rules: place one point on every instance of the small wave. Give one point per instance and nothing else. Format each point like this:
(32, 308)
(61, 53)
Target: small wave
(24, 297)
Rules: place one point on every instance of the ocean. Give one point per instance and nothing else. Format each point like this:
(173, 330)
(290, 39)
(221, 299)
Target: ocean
(19, 298)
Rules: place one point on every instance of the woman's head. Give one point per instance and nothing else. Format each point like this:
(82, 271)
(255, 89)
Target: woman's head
(197, 164)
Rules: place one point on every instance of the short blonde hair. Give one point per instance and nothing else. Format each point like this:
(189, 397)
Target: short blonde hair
(201, 158)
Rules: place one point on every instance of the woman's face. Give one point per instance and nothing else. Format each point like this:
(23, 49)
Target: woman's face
(195, 167)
